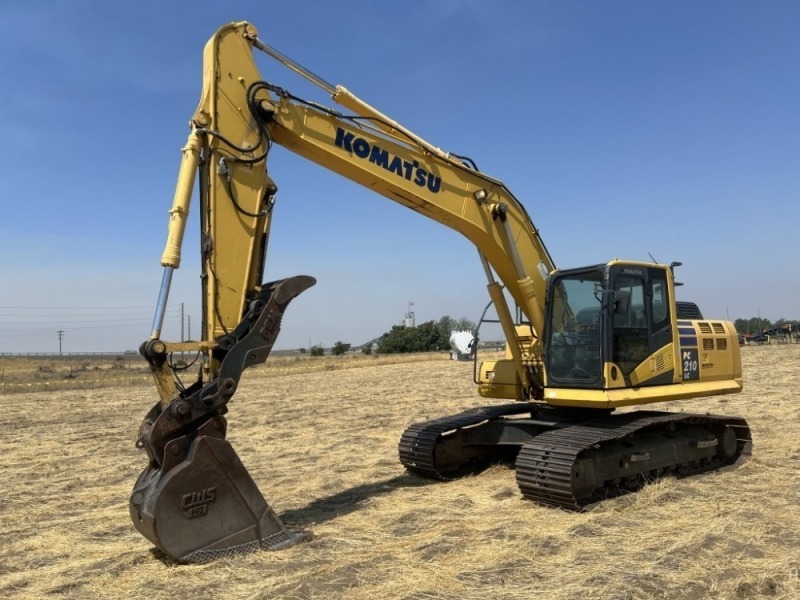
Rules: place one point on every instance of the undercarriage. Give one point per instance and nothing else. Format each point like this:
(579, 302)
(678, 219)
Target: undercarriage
(571, 458)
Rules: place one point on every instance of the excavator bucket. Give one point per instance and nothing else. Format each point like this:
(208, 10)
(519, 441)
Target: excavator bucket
(195, 500)
(205, 505)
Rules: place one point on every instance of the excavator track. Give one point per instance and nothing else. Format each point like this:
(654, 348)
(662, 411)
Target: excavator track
(575, 466)
(421, 448)
(573, 460)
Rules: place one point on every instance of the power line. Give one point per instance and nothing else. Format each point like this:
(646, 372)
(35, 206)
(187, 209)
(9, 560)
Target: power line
(38, 319)
(84, 319)
(87, 319)
(73, 307)
(39, 315)
(144, 326)
(83, 315)
(35, 324)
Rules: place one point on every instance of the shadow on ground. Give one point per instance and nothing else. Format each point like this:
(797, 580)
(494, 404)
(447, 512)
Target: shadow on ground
(350, 500)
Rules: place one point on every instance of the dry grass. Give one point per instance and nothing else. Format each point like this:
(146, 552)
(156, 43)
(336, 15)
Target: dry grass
(21, 374)
(322, 444)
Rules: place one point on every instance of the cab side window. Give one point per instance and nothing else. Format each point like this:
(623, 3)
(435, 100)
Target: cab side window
(630, 331)
(660, 331)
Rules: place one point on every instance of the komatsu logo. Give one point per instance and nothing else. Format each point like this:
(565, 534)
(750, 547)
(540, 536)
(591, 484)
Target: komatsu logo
(411, 171)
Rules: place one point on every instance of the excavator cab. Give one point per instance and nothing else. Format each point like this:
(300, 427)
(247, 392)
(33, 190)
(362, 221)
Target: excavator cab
(604, 321)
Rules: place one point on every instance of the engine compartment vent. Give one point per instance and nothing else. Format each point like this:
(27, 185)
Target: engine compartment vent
(687, 310)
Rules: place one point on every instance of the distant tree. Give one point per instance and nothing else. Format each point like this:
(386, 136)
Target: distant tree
(399, 339)
(742, 325)
(426, 337)
(446, 325)
(317, 351)
(340, 348)
(464, 324)
(755, 325)
(783, 323)
(366, 349)
(430, 338)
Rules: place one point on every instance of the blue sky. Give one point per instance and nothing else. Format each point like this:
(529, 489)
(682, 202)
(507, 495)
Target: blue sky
(627, 128)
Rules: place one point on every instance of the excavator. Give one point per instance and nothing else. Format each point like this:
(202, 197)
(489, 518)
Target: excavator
(580, 342)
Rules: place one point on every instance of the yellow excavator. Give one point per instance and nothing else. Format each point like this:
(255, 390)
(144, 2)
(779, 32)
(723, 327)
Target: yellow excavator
(581, 342)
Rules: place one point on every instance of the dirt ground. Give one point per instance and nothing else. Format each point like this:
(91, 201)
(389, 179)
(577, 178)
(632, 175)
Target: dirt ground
(322, 445)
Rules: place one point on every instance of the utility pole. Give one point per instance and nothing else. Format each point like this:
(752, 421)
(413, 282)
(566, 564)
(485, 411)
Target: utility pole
(189, 326)
(182, 338)
(60, 337)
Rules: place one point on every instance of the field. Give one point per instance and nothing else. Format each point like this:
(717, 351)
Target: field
(320, 437)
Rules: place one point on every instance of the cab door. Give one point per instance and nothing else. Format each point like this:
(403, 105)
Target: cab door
(640, 317)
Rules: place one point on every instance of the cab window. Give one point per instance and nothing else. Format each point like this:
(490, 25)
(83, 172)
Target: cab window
(630, 333)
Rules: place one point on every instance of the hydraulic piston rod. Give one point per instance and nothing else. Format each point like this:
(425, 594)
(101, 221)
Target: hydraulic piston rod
(161, 305)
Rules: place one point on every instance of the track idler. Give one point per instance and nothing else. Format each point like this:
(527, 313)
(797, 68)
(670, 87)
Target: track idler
(196, 501)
